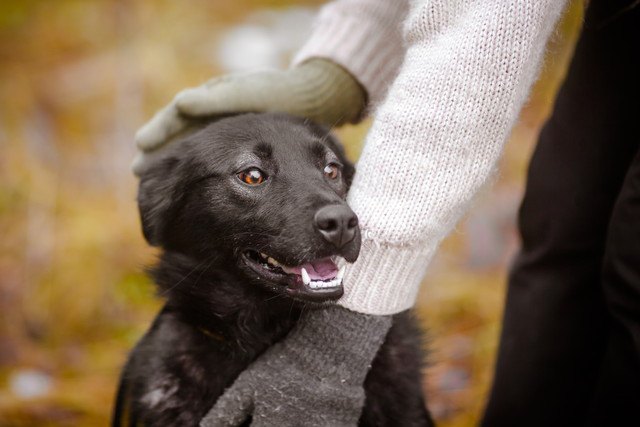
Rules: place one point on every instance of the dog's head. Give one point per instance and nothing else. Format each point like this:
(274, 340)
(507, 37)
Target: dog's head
(263, 196)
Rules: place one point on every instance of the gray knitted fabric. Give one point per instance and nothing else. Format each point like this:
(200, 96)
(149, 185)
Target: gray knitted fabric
(314, 377)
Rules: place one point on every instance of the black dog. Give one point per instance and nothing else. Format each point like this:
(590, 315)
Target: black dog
(250, 214)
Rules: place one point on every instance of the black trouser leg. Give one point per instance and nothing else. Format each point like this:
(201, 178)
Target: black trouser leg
(556, 323)
(617, 398)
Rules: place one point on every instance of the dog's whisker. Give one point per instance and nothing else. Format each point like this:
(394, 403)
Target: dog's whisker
(290, 309)
(274, 297)
(203, 271)
(186, 276)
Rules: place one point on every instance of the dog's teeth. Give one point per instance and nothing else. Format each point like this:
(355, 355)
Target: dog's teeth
(321, 284)
(265, 256)
(341, 273)
(305, 276)
(272, 261)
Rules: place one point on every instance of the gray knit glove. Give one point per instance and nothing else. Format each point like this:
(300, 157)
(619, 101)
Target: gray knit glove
(314, 377)
(317, 89)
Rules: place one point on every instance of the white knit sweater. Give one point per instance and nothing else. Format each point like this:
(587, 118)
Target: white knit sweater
(435, 140)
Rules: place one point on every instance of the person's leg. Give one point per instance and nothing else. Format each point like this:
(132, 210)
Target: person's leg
(555, 321)
(617, 399)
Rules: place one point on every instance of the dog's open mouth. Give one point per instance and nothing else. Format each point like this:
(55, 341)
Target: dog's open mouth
(315, 280)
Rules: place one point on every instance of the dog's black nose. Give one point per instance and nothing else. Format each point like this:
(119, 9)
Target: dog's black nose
(337, 224)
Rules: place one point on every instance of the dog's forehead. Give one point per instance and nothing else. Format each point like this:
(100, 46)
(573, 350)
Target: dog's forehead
(289, 144)
(280, 138)
(271, 140)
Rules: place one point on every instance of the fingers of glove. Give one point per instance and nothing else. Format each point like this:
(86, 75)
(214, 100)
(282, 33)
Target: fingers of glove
(146, 160)
(230, 94)
(157, 131)
(143, 161)
(233, 407)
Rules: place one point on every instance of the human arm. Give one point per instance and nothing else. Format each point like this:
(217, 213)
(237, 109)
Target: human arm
(436, 139)
(434, 142)
(364, 36)
(317, 89)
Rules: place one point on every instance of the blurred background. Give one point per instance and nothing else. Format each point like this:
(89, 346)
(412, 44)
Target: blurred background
(77, 78)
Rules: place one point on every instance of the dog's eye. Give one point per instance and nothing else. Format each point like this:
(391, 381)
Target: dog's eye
(332, 171)
(252, 176)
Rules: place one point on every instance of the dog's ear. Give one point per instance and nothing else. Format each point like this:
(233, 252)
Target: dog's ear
(336, 146)
(156, 196)
(158, 192)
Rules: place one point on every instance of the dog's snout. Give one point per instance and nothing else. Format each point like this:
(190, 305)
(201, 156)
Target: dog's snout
(337, 224)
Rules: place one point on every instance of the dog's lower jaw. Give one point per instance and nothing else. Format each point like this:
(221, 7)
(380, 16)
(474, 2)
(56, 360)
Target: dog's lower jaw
(322, 282)
(214, 298)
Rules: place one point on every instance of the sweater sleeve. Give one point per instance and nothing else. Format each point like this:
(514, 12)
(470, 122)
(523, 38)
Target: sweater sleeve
(436, 138)
(364, 37)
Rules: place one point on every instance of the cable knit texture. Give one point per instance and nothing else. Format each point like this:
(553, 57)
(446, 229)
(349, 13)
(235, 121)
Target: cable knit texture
(437, 136)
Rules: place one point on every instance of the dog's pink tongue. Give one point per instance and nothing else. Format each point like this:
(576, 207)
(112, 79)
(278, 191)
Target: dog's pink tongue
(321, 269)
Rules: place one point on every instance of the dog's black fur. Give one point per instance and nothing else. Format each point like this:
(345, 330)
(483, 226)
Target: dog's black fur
(220, 315)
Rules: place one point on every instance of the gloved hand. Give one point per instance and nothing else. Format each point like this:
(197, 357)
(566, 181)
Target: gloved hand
(317, 89)
(314, 377)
